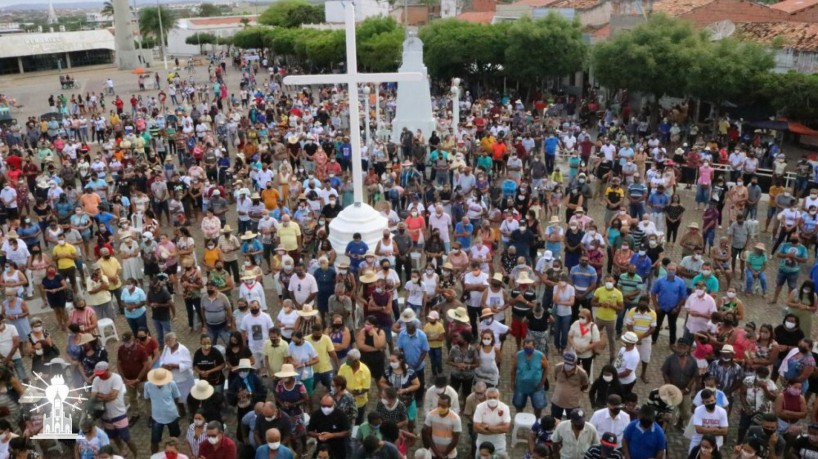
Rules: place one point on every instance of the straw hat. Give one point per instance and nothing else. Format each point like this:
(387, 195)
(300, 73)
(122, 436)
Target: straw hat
(408, 315)
(248, 235)
(458, 314)
(693, 225)
(308, 311)
(448, 266)
(554, 219)
(497, 277)
(244, 364)
(255, 196)
(227, 229)
(248, 276)
(160, 376)
(86, 338)
(293, 139)
(486, 312)
(368, 277)
(630, 338)
(202, 390)
(187, 262)
(12, 234)
(524, 279)
(287, 371)
(760, 246)
(671, 394)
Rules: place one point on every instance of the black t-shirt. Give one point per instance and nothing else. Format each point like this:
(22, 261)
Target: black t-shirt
(208, 362)
(535, 324)
(335, 422)
(281, 422)
(161, 296)
(758, 433)
(234, 357)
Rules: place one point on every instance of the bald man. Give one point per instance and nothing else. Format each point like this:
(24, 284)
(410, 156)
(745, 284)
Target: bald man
(273, 448)
(330, 426)
(273, 418)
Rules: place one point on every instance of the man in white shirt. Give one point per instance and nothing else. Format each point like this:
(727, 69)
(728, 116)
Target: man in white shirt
(709, 419)
(443, 222)
(574, 438)
(492, 421)
(303, 287)
(508, 226)
(252, 290)
(488, 322)
(10, 347)
(439, 388)
(612, 418)
(255, 327)
(110, 388)
(9, 197)
(627, 362)
(475, 281)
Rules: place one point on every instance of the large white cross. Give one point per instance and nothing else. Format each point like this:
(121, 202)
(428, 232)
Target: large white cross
(352, 78)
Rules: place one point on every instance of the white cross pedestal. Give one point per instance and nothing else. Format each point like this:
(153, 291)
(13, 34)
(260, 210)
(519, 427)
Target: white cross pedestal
(360, 217)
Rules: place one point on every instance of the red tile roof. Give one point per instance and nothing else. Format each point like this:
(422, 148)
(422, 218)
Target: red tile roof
(678, 7)
(794, 6)
(602, 32)
(536, 3)
(477, 17)
(576, 4)
(799, 36)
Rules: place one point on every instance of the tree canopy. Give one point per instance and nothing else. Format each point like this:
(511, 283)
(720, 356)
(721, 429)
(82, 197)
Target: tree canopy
(793, 94)
(202, 38)
(560, 48)
(292, 13)
(206, 10)
(149, 22)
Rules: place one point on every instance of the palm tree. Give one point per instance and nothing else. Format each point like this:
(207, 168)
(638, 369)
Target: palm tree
(149, 22)
(107, 9)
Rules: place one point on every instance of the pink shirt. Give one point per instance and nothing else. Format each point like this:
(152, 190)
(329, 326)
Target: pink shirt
(705, 175)
(704, 305)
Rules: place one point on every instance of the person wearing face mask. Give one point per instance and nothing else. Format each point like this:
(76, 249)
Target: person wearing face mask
(65, 255)
(196, 434)
(330, 426)
(110, 389)
(252, 290)
(805, 446)
(530, 370)
(492, 420)
(792, 255)
(218, 445)
(699, 307)
(644, 438)
(164, 396)
(612, 419)
(711, 282)
(572, 439)
(273, 448)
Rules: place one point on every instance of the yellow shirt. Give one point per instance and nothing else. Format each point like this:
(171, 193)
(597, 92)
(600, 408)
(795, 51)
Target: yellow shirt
(609, 297)
(641, 322)
(275, 355)
(288, 235)
(323, 346)
(435, 329)
(358, 380)
(775, 191)
(111, 269)
(65, 250)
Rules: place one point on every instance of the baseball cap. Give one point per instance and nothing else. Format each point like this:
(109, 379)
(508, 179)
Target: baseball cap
(609, 440)
(100, 368)
(577, 415)
(569, 358)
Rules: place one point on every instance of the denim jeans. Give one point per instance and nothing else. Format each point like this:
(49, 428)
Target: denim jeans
(436, 357)
(162, 327)
(141, 321)
(218, 331)
(561, 331)
(660, 318)
(748, 278)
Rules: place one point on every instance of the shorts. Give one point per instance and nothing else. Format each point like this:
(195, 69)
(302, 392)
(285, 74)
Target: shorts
(324, 378)
(790, 278)
(117, 427)
(171, 270)
(412, 411)
(157, 429)
(519, 329)
(538, 399)
(645, 347)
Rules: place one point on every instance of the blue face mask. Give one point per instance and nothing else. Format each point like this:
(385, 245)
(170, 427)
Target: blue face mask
(528, 351)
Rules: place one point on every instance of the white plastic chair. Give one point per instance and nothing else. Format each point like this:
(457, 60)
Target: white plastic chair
(102, 326)
(522, 421)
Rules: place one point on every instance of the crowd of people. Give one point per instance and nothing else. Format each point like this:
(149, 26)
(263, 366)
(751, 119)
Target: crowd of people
(208, 223)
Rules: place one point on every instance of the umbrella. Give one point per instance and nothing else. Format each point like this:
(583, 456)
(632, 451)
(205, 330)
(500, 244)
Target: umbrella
(138, 70)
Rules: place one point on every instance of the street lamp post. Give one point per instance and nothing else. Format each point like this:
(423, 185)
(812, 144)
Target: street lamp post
(378, 107)
(456, 106)
(162, 35)
(367, 91)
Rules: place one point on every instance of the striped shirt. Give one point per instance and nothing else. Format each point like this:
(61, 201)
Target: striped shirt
(443, 428)
(629, 284)
(583, 278)
(641, 322)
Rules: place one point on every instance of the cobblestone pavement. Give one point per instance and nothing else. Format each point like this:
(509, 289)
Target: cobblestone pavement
(33, 91)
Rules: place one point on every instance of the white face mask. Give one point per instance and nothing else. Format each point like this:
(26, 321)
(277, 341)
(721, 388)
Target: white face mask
(609, 285)
(394, 365)
(731, 294)
(607, 378)
(699, 292)
(213, 440)
(492, 402)
(274, 445)
(198, 422)
(487, 342)
(706, 272)
(327, 410)
(789, 325)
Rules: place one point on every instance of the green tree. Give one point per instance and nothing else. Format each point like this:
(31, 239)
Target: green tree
(149, 22)
(201, 39)
(292, 13)
(654, 58)
(455, 48)
(559, 44)
(250, 38)
(324, 50)
(206, 10)
(382, 52)
(282, 41)
(728, 69)
(107, 9)
(792, 94)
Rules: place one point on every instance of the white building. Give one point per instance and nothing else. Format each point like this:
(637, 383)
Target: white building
(221, 26)
(334, 10)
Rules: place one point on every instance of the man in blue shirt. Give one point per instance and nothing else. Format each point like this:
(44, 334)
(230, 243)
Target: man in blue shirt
(668, 295)
(164, 395)
(658, 201)
(636, 196)
(642, 262)
(325, 278)
(415, 346)
(551, 144)
(643, 438)
(356, 249)
(463, 232)
(584, 279)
